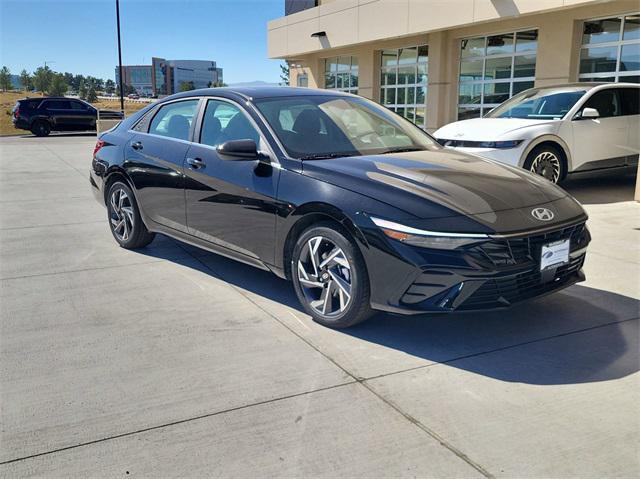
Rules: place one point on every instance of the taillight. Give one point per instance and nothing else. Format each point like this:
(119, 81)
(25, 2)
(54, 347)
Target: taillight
(96, 149)
(16, 113)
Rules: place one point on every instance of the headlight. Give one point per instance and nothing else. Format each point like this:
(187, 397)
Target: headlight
(427, 239)
(502, 145)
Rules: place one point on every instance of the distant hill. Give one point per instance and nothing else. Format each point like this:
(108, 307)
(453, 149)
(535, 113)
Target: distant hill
(253, 83)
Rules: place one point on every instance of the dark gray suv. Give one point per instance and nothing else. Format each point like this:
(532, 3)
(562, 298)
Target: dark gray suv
(41, 116)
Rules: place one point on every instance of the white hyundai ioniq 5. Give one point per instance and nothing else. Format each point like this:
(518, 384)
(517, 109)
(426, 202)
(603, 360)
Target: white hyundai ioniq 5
(554, 131)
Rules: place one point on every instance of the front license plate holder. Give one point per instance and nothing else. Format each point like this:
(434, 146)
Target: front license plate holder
(554, 254)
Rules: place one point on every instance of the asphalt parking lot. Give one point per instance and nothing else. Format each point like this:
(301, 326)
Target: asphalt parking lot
(173, 362)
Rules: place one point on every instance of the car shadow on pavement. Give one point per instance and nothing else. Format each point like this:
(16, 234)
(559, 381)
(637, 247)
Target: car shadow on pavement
(602, 187)
(574, 336)
(55, 134)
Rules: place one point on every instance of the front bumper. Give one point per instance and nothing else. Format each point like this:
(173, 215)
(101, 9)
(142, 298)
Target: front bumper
(491, 275)
(508, 156)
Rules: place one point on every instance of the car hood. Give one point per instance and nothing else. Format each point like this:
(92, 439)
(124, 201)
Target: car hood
(436, 183)
(486, 129)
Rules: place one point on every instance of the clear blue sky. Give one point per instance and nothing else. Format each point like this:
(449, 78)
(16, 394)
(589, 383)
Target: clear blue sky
(80, 36)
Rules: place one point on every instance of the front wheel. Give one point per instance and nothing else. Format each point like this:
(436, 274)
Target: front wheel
(124, 218)
(548, 162)
(330, 278)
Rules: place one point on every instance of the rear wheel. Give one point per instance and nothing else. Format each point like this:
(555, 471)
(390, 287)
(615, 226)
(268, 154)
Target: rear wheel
(330, 277)
(41, 128)
(124, 218)
(548, 162)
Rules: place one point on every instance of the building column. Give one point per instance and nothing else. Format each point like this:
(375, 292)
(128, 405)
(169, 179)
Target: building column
(368, 73)
(558, 45)
(442, 80)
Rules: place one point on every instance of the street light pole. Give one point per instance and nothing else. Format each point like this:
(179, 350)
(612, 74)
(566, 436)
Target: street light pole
(120, 57)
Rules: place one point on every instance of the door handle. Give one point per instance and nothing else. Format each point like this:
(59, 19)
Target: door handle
(196, 163)
(136, 145)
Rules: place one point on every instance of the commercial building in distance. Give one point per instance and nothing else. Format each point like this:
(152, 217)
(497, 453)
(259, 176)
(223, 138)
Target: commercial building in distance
(137, 76)
(164, 77)
(168, 75)
(436, 61)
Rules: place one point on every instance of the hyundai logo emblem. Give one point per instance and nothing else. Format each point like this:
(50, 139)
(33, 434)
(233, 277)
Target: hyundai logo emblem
(542, 214)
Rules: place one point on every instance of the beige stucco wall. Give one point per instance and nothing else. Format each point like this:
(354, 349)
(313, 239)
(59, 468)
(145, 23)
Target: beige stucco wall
(558, 41)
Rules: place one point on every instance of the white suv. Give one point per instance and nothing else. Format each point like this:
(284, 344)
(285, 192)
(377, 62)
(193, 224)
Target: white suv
(557, 130)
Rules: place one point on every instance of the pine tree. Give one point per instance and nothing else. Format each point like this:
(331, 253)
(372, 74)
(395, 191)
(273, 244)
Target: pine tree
(5, 79)
(25, 80)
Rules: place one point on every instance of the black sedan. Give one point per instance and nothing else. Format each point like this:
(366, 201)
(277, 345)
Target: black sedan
(362, 210)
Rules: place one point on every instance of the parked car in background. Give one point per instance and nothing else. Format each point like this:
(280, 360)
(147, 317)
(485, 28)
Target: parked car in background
(358, 207)
(133, 96)
(554, 131)
(41, 116)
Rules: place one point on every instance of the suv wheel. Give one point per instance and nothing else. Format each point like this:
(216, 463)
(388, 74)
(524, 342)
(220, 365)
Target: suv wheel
(548, 162)
(124, 218)
(330, 278)
(41, 128)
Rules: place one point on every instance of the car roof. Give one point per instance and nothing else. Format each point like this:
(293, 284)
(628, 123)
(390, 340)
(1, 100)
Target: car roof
(258, 92)
(587, 85)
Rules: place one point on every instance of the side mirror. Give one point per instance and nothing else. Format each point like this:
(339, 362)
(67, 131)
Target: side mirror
(590, 113)
(238, 150)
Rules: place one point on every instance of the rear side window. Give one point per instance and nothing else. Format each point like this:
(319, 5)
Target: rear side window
(57, 105)
(29, 104)
(606, 102)
(174, 120)
(630, 100)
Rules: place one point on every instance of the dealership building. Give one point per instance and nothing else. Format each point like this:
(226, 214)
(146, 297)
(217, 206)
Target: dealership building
(164, 77)
(437, 61)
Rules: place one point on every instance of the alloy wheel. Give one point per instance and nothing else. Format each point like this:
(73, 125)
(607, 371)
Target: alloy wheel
(324, 274)
(121, 214)
(547, 164)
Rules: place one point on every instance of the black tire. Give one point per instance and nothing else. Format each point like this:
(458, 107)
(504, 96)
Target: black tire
(123, 215)
(41, 128)
(542, 161)
(352, 276)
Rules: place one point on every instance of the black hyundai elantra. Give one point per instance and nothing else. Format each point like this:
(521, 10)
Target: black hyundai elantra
(361, 209)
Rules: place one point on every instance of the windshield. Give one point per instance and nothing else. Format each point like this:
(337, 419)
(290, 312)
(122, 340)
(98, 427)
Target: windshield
(331, 126)
(538, 104)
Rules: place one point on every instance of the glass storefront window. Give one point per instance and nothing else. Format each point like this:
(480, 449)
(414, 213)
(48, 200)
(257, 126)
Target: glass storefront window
(611, 49)
(494, 68)
(403, 81)
(341, 73)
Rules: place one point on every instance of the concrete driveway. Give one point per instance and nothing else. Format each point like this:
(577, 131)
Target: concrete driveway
(172, 362)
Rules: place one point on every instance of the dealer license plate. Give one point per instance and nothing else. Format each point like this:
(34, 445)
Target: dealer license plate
(554, 254)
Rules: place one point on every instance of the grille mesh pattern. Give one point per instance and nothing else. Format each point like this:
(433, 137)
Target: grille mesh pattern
(517, 251)
(501, 292)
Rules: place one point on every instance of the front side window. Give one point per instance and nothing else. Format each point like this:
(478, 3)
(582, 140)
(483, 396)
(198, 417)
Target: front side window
(226, 122)
(403, 82)
(606, 102)
(330, 126)
(174, 119)
(341, 73)
(76, 105)
(611, 50)
(494, 68)
(539, 104)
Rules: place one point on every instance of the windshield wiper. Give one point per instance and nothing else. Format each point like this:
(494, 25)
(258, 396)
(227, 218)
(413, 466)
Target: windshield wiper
(402, 149)
(325, 156)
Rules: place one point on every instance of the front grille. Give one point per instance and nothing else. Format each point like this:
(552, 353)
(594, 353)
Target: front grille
(500, 292)
(519, 251)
